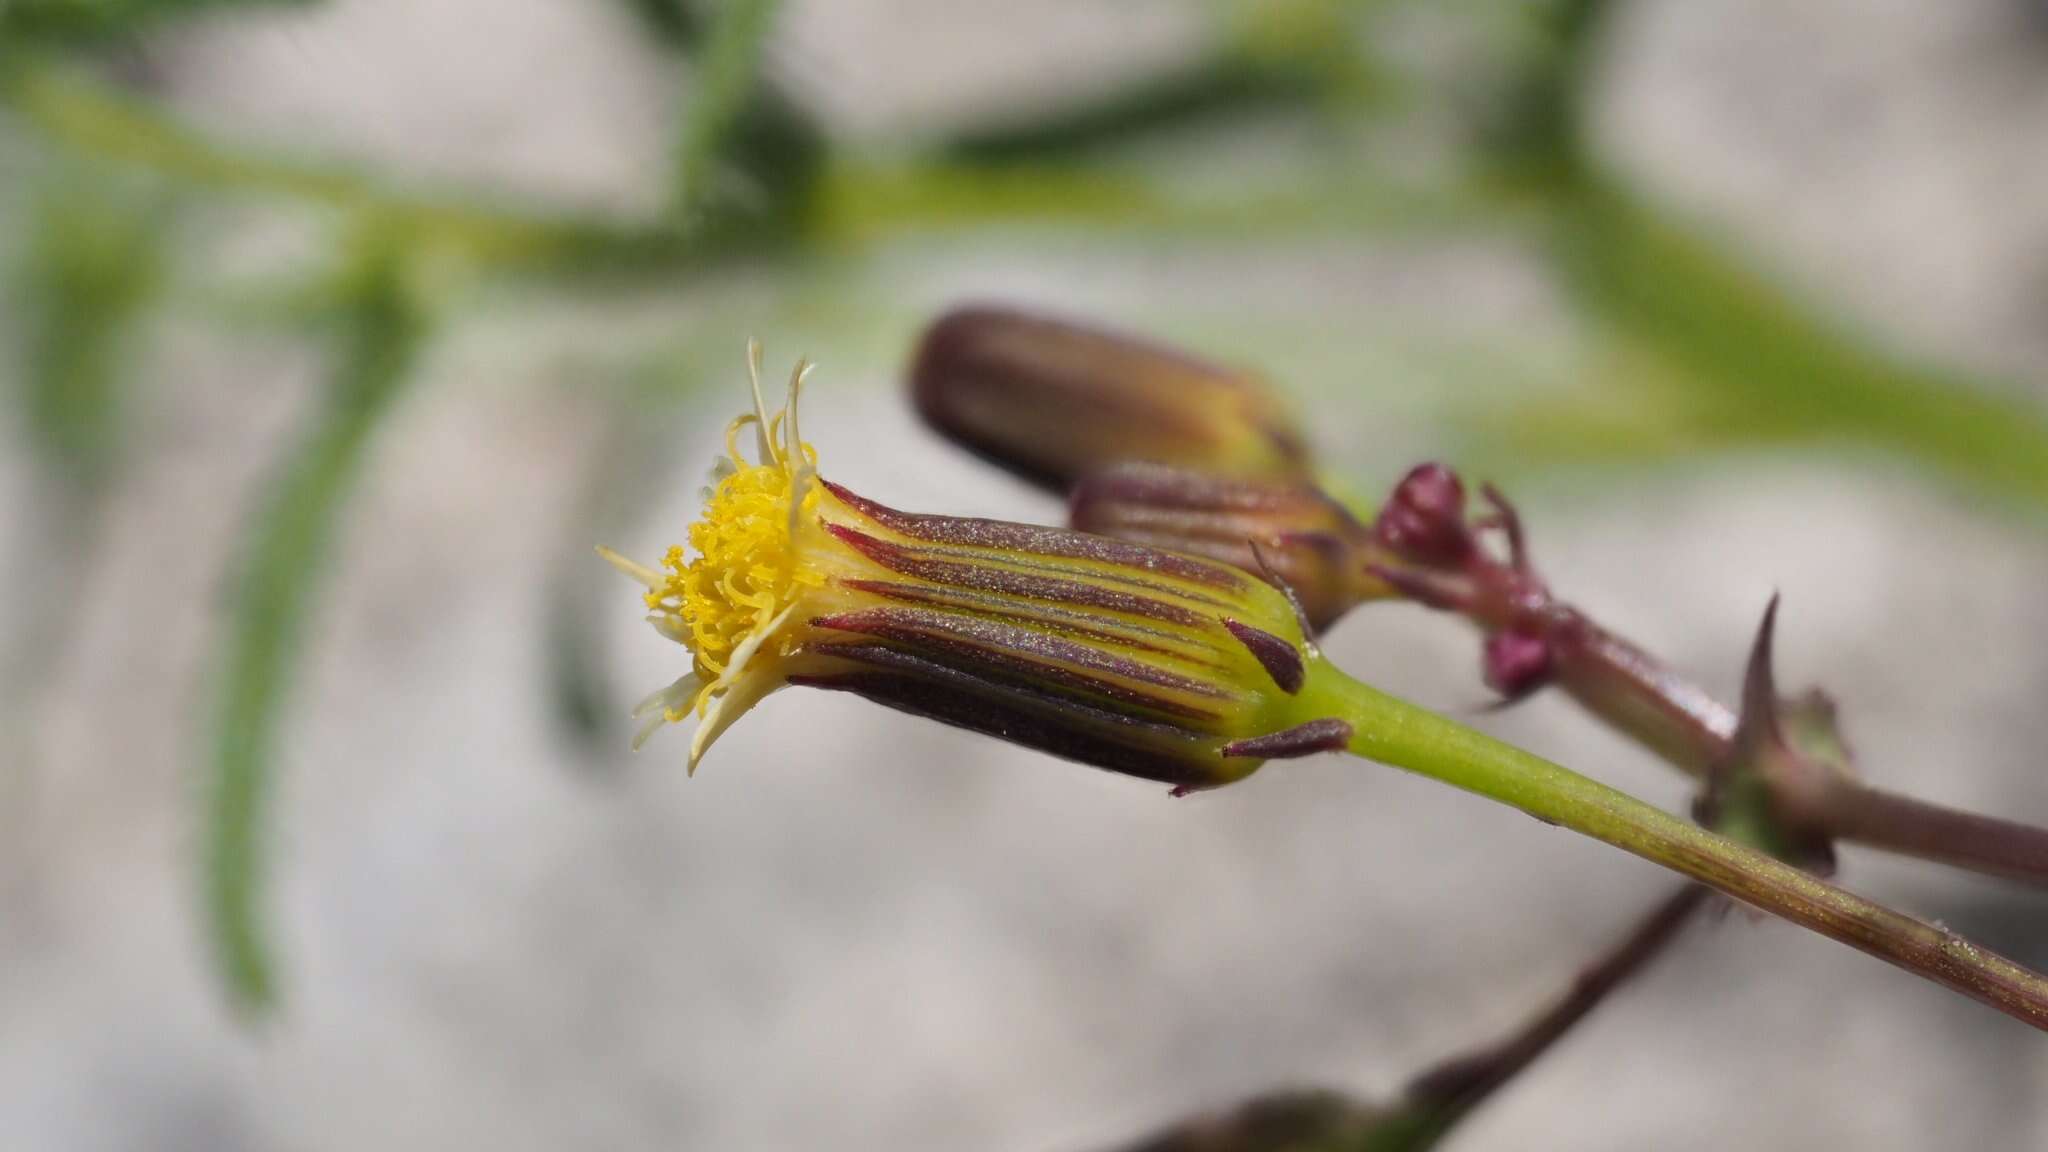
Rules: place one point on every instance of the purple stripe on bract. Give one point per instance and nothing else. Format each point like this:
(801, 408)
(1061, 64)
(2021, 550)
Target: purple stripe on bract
(974, 682)
(1053, 732)
(1000, 534)
(1301, 740)
(1036, 613)
(1003, 636)
(1135, 580)
(1000, 653)
(1279, 658)
(989, 578)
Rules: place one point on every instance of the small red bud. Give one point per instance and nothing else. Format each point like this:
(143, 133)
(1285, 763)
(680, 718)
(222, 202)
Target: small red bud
(1424, 520)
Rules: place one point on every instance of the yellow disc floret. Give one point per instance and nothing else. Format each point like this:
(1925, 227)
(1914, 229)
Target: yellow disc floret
(743, 570)
(729, 595)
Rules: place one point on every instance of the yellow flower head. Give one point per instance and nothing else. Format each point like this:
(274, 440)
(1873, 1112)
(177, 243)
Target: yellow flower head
(727, 600)
(1157, 664)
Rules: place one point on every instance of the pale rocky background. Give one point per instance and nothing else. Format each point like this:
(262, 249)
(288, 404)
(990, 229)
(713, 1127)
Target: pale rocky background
(856, 931)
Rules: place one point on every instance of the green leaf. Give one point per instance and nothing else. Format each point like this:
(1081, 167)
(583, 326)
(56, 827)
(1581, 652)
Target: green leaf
(1737, 360)
(722, 89)
(81, 19)
(1227, 83)
(93, 264)
(377, 341)
(71, 110)
(1768, 370)
(671, 21)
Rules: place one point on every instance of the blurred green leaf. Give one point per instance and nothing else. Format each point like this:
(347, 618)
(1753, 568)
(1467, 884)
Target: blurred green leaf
(1532, 126)
(1743, 361)
(1289, 54)
(578, 686)
(93, 263)
(635, 448)
(377, 340)
(79, 113)
(78, 19)
(723, 88)
(1229, 83)
(1767, 369)
(675, 22)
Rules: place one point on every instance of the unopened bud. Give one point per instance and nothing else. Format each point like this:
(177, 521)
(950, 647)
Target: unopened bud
(1054, 401)
(1424, 520)
(1289, 530)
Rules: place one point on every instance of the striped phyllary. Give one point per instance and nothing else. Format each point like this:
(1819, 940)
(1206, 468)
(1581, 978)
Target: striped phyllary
(1153, 663)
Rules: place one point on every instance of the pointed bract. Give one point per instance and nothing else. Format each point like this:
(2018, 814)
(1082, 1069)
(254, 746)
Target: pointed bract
(1767, 789)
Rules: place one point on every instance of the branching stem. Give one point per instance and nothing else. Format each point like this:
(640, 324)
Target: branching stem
(1450, 1091)
(1643, 697)
(1394, 732)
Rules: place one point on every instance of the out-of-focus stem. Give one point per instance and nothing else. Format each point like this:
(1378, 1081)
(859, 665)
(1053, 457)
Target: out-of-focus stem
(1394, 732)
(1434, 1102)
(100, 122)
(1901, 824)
(1447, 1093)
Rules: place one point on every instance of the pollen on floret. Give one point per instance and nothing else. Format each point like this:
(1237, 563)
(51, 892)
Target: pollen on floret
(730, 593)
(742, 567)
(726, 594)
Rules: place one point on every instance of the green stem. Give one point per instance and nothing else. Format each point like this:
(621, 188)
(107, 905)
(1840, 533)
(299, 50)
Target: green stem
(1644, 698)
(1395, 732)
(99, 122)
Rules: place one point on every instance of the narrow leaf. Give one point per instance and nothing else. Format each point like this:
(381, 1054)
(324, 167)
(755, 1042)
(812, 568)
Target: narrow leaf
(278, 583)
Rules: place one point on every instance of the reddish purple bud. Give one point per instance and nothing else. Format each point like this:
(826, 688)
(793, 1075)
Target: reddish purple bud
(1424, 520)
(1516, 663)
(1054, 401)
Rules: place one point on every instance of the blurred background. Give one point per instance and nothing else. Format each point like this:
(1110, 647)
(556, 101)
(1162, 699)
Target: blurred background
(335, 332)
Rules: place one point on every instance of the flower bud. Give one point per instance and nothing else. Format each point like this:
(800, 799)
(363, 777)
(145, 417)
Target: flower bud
(1053, 401)
(1424, 520)
(1156, 664)
(1289, 530)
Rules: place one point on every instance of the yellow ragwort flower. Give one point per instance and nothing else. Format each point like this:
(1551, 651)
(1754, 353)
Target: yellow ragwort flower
(1157, 664)
(730, 602)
